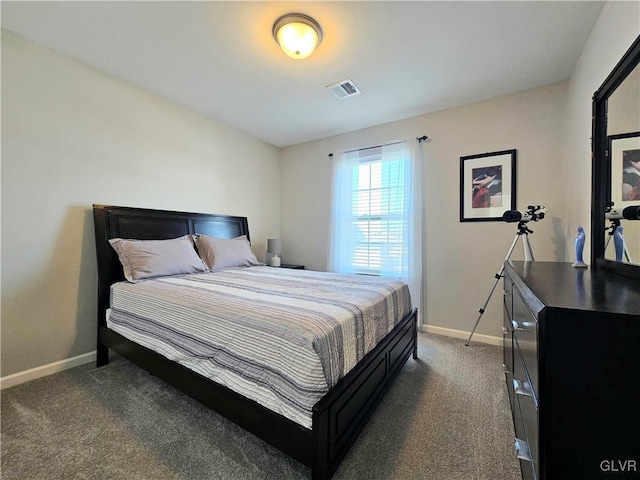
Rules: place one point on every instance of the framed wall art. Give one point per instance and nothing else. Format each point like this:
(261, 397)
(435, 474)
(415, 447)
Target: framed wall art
(624, 154)
(487, 186)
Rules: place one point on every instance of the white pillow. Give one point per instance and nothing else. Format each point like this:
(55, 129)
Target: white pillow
(143, 259)
(221, 253)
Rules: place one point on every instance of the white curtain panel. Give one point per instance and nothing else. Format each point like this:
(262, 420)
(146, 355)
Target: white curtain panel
(341, 238)
(416, 226)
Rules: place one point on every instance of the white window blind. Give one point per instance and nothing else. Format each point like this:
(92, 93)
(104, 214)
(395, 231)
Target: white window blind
(378, 213)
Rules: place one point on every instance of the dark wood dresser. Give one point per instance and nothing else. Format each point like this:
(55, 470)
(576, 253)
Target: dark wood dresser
(572, 367)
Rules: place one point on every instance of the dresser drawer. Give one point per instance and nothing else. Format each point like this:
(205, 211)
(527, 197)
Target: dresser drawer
(521, 445)
(507, 342)
(507, 292)
(527, 407)
(525, 333)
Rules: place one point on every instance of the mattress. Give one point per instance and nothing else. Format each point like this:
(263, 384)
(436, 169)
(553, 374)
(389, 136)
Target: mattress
(280, 337)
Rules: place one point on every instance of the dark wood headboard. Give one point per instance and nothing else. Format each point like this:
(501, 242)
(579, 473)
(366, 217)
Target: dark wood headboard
(146, 224)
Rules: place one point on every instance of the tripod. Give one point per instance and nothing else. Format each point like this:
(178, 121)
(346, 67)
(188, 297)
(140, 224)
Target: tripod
(619, 243)
(523, 232)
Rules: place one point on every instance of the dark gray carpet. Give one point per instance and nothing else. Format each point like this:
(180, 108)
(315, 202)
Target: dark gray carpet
(446, 417)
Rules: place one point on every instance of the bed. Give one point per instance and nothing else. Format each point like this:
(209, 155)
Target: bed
(336, 418)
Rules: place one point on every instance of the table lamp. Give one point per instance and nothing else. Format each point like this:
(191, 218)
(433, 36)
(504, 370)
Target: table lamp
(274, 250)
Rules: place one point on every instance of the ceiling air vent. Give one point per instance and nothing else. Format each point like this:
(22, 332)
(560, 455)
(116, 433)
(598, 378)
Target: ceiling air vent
(344, 89)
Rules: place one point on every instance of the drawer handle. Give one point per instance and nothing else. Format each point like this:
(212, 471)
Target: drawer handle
(523, 452)
(522, 388)
(522, 326)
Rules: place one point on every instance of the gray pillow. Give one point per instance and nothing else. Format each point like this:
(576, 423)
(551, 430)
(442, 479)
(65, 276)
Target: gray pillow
(143, 259)
(221, 253)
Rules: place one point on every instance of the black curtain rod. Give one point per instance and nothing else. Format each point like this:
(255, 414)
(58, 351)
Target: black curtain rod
(419, 139)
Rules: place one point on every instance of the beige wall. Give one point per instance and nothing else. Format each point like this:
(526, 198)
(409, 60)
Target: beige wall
(73, 136)
(461, 258)
(623, 107)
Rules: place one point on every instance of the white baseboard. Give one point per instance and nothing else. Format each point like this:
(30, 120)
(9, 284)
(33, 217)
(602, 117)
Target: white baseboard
(43, 371)
(450, 332)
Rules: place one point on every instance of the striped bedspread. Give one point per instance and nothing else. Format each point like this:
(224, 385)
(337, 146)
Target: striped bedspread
(280, 337)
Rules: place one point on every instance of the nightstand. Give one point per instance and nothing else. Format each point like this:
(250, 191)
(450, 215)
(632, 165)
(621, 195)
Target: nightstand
(292, 266)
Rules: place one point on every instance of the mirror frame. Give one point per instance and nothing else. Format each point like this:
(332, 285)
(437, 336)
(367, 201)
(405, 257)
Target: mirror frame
(601, 173)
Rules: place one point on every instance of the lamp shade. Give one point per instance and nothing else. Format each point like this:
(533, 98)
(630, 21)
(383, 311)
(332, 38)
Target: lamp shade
(297, 34)
(274, 245)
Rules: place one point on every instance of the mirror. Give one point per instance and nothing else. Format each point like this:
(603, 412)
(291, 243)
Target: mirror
(623, 149)
(616, 169)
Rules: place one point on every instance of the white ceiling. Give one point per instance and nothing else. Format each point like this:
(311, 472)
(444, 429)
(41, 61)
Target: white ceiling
(408, 58)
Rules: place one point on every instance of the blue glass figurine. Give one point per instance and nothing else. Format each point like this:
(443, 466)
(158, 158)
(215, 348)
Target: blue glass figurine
(618, 243)
(579, 244)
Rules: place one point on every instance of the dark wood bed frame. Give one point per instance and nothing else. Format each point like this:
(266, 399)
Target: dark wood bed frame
(338, 417)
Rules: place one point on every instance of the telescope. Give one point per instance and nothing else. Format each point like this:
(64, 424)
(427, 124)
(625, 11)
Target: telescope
(534, 212)
(628, 213)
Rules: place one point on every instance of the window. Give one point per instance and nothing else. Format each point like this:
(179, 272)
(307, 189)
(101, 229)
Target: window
(373, 218)
(378, 220)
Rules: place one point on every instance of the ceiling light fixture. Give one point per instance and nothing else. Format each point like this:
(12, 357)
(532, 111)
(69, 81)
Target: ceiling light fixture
(297, 34)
